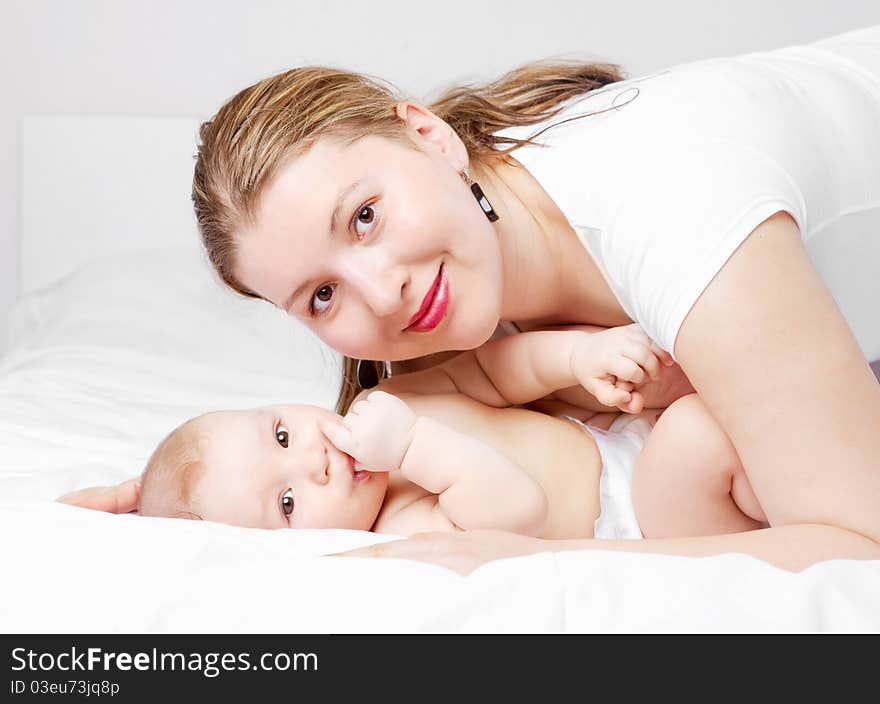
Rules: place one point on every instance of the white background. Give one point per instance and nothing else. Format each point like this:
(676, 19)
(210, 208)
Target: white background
(183, 58)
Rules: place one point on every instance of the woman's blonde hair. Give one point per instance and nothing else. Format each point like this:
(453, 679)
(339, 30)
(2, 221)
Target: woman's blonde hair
(282, 116)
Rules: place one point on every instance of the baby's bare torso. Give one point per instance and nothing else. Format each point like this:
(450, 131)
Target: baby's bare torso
(560, 456)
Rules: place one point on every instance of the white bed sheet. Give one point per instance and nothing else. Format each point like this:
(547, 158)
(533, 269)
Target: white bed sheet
(103, 363)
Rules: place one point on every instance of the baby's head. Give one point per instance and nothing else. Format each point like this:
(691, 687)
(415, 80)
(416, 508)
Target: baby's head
(268, 467)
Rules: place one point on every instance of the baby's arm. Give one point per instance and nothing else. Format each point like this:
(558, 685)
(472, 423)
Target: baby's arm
(477, 486)
(607, 362)
(528, 366)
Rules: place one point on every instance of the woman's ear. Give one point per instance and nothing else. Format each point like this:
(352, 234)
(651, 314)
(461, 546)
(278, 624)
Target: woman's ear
(430, 131)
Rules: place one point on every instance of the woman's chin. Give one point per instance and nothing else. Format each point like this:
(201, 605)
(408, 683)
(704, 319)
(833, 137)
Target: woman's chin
(480, 332)
(456, 334)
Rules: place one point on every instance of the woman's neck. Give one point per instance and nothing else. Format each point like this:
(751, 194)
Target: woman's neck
(548, 274)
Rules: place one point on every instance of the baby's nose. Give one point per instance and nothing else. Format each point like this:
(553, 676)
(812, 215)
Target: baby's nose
(313, 465)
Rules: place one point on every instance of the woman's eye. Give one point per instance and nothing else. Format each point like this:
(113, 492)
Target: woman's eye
(322, 298)
(282, 436)
(287, 502)
(365, 216)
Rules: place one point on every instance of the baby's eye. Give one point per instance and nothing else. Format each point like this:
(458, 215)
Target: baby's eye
(282, 436)
(287, 502)
(321, 299)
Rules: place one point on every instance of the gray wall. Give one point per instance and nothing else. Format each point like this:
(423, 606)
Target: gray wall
(184, 57)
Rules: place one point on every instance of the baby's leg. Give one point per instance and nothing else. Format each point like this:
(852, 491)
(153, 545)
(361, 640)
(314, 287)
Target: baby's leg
(688, 479)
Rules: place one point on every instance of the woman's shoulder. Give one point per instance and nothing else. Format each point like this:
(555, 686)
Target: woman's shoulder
(723, 96)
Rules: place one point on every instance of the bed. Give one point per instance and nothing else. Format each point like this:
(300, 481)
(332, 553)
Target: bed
(121, 333)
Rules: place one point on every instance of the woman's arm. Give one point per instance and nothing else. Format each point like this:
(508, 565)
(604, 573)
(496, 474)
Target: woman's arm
(776, 364)
(792, 548)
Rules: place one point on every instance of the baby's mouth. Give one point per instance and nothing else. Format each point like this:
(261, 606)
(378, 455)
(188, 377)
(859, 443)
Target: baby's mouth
(357, 475)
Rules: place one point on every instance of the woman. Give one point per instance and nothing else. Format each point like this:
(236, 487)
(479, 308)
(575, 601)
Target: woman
(685, 202)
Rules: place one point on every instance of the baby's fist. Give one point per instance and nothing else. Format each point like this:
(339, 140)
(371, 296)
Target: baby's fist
(376, 431)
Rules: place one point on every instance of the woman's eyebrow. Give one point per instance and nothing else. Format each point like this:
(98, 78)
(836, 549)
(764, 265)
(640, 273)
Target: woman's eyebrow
(340, 201)
(293, 296)
(334, 222)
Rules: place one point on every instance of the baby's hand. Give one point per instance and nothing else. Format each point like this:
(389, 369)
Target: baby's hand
(609, 364)
(376, 431)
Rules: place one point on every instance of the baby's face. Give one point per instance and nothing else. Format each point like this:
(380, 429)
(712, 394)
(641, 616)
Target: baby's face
(272, 467)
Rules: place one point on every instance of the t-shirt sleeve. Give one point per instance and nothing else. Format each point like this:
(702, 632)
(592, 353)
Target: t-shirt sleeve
(677, 219)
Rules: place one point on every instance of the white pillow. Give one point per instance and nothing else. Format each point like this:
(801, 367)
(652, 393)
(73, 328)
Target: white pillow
(169, 302)
(105, 362)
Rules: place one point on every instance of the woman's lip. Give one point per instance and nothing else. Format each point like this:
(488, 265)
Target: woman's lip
(427, 300)
(434, 306)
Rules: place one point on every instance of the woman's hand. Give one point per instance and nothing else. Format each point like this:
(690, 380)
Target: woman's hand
(376, 431)
(122, 498)
(461, 552)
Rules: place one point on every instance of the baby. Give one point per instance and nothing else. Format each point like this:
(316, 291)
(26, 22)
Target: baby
(448, 448)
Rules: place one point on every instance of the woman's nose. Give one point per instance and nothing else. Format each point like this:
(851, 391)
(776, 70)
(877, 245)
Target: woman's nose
(381, 283)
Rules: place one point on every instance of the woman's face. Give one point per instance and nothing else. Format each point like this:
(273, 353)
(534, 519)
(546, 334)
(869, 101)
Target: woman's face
(380, 248)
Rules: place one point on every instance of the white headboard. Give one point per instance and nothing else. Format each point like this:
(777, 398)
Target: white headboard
(95, 185)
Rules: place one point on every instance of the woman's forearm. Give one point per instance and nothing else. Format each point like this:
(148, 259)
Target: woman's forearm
(794, 547)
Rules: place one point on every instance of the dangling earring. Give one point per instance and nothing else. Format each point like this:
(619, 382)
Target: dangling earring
(479, 195)
(368, 374)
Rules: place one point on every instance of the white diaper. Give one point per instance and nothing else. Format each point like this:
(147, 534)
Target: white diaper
(618, 447)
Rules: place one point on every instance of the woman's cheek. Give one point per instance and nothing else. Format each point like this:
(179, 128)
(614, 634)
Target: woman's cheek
(351, 336)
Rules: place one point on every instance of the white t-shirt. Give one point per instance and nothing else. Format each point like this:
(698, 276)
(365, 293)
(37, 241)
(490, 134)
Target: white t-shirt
(682, 165)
